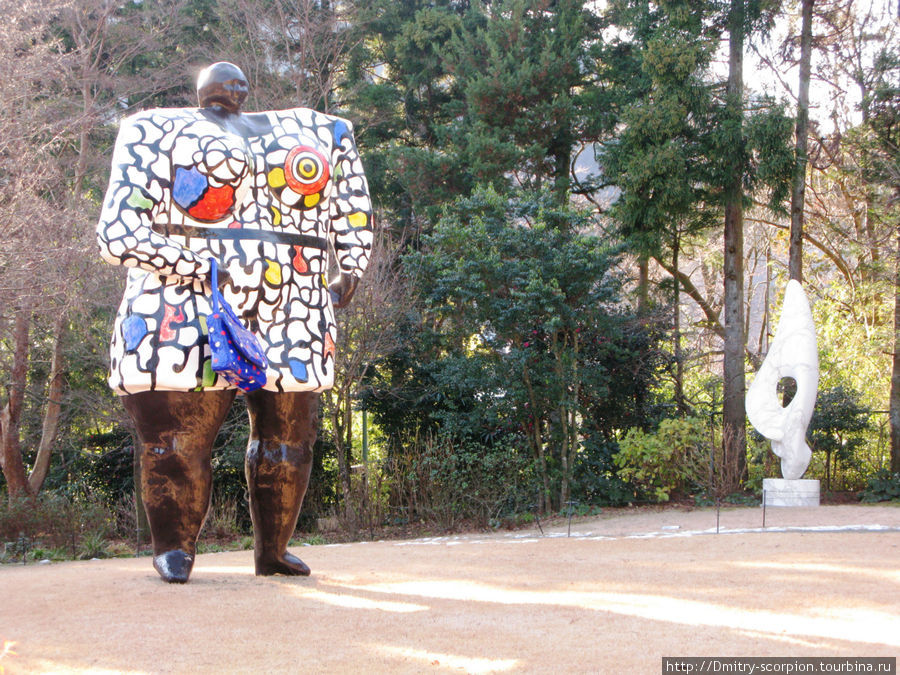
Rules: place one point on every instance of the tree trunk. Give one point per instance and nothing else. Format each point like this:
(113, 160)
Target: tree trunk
(798, 192)
(561, 151)
(536, 439)
(545, 505)
(52, 412)
(643, 283)
(347, 443)
(11, 415)
(733, 413)
(568, 417)
(338, 425)
(574, 431)
(867, 223)
(894, 414)
(563, 413)
(676, 329)
(564, 455)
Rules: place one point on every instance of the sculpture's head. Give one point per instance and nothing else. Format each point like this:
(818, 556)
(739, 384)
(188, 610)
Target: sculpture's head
(222, 84)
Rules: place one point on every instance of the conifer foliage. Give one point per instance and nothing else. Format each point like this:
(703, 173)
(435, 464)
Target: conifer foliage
(578, 205)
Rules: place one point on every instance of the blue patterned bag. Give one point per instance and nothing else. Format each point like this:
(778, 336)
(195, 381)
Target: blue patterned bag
(236, 353)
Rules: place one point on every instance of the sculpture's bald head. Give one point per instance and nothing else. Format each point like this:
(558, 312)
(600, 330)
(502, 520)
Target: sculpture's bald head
(222, 84)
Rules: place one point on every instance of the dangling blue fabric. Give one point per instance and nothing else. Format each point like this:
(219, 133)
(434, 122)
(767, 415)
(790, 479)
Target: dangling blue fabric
(236, 353)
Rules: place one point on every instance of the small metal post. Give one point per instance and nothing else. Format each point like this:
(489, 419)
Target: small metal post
(764, 509)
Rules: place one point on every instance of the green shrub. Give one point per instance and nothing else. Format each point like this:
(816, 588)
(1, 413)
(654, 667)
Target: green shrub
(311, 540)
(674, 457)
(124, 517)
(52, 521)
(594, 479)
(51, 554)
(223, 520)
(93, 545)
(19, 524)
(883, 486)
(67, 522)
(456, 480)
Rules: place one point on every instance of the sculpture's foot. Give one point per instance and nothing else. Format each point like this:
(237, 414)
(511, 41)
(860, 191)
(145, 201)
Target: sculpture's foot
(174, 566)
(286, 563)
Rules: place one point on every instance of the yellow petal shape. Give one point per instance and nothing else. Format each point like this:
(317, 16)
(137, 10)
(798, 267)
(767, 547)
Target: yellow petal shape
(276, 216)
(311, 200)
(273, 273)
(276, 177)
(358, 219)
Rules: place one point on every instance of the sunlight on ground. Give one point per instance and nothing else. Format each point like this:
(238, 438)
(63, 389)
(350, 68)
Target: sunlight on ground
(8, 651)
(820, 568)
(859, 625)
(45, 666)
(454, 661)
(340, 599)
(813, 643)
(224, 569)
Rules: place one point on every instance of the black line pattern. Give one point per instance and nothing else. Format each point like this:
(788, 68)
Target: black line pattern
(262, 193)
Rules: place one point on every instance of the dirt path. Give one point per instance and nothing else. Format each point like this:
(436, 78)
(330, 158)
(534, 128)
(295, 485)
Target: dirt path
(623, 591)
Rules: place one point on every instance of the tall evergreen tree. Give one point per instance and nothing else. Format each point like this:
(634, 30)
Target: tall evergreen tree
(658, 157)
(798, 190)
(399, 93)
(733, 386)
(530, 332)
(519, 66)
(682, 154)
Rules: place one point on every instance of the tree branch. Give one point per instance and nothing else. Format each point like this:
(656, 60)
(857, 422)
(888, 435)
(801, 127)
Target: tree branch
(831, 255)
(694, 293)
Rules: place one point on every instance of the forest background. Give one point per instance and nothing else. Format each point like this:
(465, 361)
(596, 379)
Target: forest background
(587, 213)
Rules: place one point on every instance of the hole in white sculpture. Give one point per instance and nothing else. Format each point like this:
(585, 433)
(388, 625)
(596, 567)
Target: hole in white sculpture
(787, 389)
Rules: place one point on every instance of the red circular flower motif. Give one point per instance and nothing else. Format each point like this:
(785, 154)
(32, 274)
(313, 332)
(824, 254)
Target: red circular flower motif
(306, 170)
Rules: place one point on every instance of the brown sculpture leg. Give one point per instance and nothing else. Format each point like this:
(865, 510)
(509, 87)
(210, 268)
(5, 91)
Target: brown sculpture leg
(278, 463)
(176, 431)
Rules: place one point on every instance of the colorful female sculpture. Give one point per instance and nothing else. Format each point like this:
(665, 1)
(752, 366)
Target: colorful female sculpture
(267, 195)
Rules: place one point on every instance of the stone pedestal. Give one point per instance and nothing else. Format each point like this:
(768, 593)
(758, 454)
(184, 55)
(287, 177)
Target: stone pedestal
(783, 492)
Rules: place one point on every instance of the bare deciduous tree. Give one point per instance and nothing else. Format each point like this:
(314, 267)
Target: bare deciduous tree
(366, 331)
(292, 51)
(64, 83)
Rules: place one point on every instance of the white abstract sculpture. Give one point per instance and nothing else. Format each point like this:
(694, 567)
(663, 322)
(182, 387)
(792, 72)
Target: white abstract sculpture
(793, 353)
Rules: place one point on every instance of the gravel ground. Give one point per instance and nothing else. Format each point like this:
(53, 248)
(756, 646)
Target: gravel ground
(624, 590)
